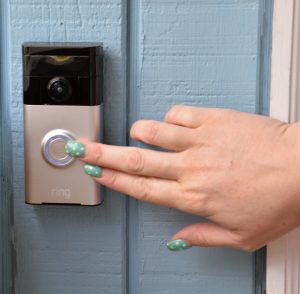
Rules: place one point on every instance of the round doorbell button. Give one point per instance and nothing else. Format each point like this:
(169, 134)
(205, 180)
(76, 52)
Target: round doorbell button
(57, 149)
(53, 148)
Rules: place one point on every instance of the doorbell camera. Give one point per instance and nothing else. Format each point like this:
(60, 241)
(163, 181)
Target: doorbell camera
(62, 87)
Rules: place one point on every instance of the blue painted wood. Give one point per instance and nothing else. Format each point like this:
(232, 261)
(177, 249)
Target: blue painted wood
(264, 60)
(197, 52)
(203, 53)
(6, 246)
(70, 249)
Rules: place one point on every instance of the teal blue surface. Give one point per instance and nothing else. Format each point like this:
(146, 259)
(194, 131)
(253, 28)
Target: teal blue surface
(6, 183)
(157, 53)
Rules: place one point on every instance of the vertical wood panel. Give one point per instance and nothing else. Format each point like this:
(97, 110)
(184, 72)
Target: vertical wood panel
(203, 53)
(62, 249)
(6, 213)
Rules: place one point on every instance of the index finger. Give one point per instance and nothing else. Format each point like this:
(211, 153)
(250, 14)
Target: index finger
(132, 160)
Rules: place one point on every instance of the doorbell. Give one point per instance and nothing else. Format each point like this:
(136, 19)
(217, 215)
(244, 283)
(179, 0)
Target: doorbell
(62, 86)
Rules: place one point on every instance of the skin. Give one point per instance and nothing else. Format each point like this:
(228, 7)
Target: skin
(239, 171)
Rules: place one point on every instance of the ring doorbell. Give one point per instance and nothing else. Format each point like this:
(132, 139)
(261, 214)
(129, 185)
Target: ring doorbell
(62, 101)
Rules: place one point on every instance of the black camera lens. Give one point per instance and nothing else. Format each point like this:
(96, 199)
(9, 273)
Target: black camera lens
(59, 89)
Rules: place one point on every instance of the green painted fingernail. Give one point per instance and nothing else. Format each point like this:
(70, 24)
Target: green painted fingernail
(93, 170)
(178, 245)
(74, 148)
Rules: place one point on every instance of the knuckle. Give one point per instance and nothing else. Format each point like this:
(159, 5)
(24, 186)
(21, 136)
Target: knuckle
(204, 201)
(135, 161)
(97, 152)
(197, 201)
(151, 130)
(187, 197)
(202, 239)
(243, 243)
(193, 206)
(112, 179)
(145, 130)
(205, 207)
(141, 188)
(248, 248)
(173, 113)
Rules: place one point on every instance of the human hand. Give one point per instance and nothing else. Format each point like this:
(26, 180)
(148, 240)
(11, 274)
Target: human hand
(240, 171)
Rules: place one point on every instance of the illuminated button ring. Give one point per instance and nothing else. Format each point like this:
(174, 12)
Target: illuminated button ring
(53, 148)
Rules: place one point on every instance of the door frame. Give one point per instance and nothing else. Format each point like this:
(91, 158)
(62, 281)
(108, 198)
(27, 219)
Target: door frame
(283, 255)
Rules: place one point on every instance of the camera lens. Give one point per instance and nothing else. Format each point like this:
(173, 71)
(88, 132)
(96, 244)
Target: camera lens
(59, 89)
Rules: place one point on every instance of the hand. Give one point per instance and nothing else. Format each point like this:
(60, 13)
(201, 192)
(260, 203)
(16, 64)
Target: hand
(240, 171)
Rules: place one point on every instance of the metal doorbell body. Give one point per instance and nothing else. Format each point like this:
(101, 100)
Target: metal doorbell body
(62, 100)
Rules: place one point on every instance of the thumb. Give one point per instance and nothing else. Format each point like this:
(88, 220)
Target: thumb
(203, 234)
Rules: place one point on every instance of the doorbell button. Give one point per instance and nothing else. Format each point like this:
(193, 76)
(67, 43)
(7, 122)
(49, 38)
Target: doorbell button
(53, 148)
(57, 149)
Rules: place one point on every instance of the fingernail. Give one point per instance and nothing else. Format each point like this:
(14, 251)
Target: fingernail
(74, 148)
(178, 245)
(93, 170)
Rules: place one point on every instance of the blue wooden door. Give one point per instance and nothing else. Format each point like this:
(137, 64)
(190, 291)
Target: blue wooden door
(157, 53)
